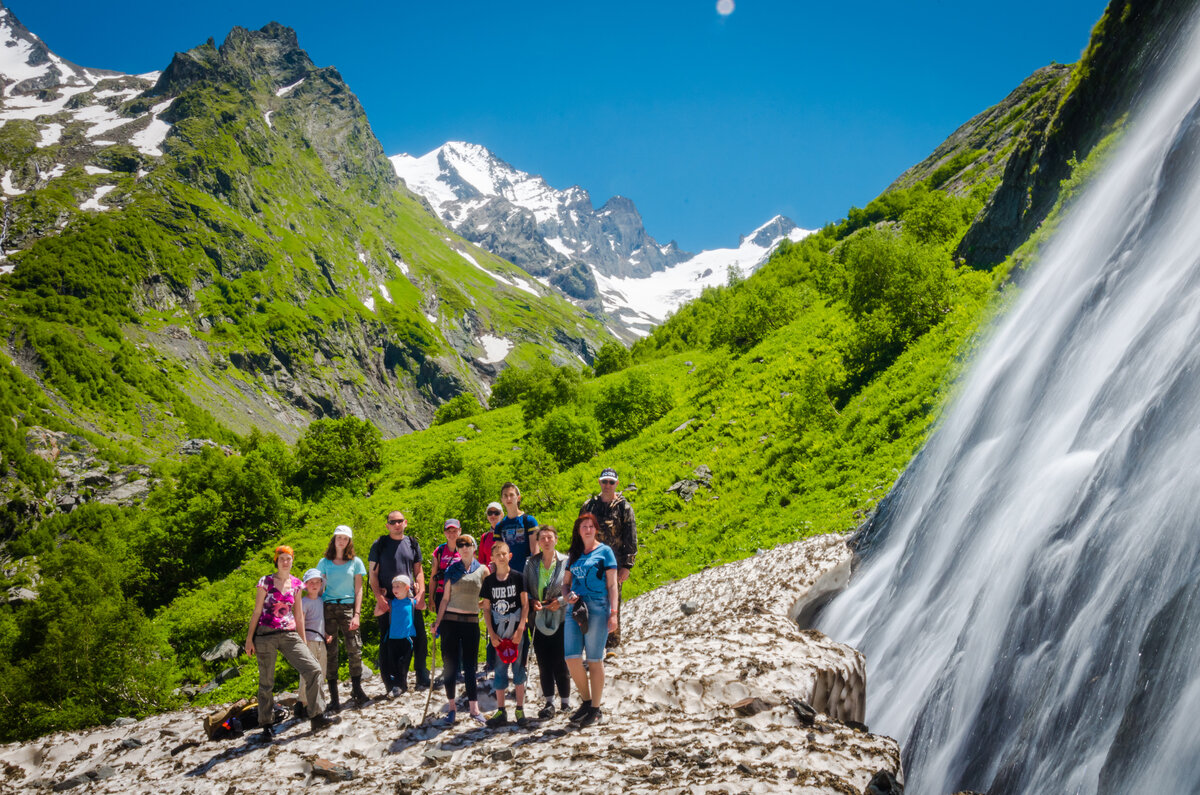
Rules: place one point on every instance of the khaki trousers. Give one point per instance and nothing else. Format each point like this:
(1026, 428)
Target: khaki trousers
(300, 658)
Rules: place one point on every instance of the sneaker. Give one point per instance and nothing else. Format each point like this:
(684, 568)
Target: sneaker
(588, 718)
(578, 714)
(478, 718)
(521, 719)
(546, 712)
(395, 692)
(323, 721)
(267, 733)
(610, 655)
(499, 718)
(449, 719)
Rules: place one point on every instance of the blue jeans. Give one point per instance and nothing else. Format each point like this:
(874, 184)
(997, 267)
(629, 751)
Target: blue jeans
(575, 642)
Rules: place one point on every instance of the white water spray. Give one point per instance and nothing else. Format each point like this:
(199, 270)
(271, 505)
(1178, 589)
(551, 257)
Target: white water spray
(1030, 604)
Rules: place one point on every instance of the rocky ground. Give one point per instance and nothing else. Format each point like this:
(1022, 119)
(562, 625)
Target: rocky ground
(716, 689)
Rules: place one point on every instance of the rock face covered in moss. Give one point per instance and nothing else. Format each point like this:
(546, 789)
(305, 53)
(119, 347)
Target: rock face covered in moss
(1124, 57)
(225, 244)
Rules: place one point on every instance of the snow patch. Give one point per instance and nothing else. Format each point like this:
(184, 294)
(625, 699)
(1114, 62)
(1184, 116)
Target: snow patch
(369, 303)
(94, 202)
(50, 135)
(96, 170)
(7, 186)
(558, 245)
(383, 290)
(267, 119)
(401, 265)
(514, 281)
(56, 172)
(494, 348)
(282, 92)
(431, 318)
(362, 258)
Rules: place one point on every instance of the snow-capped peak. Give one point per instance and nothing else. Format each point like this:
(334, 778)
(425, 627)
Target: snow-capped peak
(27, 64)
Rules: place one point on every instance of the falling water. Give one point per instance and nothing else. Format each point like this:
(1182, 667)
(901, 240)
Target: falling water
(1029, 605)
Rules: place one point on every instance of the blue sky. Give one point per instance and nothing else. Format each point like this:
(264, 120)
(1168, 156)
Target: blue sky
(711, 123)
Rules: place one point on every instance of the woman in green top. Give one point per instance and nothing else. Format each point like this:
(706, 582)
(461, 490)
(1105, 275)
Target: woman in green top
(458, 623)
(543, 582)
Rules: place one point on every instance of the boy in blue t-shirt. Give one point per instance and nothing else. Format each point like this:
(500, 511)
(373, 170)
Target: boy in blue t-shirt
(398, 647)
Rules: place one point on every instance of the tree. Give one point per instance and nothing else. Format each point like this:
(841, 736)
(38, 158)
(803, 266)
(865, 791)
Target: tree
(443, 462)
(571, 439)
(611, 358)
(629, 405)
(338, 452)
(457, 408)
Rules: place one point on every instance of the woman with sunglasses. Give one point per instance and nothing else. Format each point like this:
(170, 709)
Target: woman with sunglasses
(458, 622)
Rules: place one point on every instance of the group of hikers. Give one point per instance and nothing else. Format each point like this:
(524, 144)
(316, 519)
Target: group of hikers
(565, 607)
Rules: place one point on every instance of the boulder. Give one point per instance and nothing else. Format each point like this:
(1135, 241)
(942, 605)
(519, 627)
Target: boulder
(225, 650)
(323, 768)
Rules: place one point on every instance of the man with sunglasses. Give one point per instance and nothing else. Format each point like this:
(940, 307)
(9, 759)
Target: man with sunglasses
(393, 554)
(617, 528)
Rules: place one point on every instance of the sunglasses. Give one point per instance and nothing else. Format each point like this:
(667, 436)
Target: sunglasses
(401, 520)
(493, 513)
(464, 544)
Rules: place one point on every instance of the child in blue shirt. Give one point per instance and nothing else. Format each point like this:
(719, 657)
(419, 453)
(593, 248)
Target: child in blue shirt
(398, 647)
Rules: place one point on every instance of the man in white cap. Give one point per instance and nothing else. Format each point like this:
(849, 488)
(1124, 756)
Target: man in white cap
(617, 528)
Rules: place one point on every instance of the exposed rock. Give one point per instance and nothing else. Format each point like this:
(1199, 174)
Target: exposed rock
(689, 607)
(124, 722)
(17, 595)
(225, 650)
(883, 783)
(684, 425)
(229, 673)
(748, 707)
(323, 768)
(130, 743)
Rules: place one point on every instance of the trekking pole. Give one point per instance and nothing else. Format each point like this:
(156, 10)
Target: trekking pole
(432, 662)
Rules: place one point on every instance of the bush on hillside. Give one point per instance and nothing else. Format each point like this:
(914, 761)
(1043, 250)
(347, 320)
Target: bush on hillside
(570, 438)
(338, 452)
(629, 405)
(443, 462)
(611, 358)
(457, 408)
(535, 472)
(549, 387)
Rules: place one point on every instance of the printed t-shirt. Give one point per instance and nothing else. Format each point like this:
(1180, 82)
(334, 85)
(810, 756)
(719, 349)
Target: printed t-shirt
(314, 618)
(443, 557)
(515, 532)
(339, 578)
(402, 625)
(278, 605)
(395, 557)
(588, 573)
(505, 597)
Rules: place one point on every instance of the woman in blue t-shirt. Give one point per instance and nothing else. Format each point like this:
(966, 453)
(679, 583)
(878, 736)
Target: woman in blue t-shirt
(591, 583)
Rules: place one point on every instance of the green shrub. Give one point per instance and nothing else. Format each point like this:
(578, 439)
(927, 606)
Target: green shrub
(629, 405)
(457, 408)
(443, 462)
(338, 452)
(570, 438)
(611, 358)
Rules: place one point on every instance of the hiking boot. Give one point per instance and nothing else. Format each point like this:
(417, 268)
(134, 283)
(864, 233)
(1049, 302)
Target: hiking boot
(546, 712)
(578, 714)
(268, 732)
(301, 712)
(423, 680)
(522, 721)
(499, 718)
(448, 720)
(361, 699)
(592, 715)
(334, 704)
(323, 720)
(394, 692)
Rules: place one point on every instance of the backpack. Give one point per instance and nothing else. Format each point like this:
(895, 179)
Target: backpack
(232, 720)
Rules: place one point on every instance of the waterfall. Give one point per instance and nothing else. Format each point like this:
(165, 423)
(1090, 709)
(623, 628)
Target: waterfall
(1029, 604)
